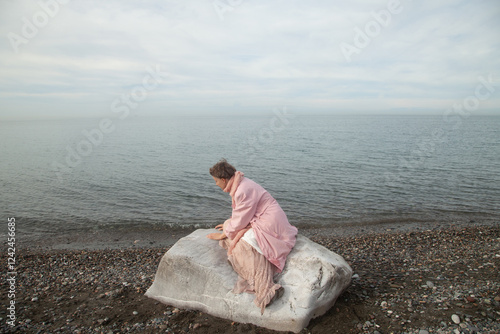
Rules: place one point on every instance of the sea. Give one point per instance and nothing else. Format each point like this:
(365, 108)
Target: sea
(139, 173)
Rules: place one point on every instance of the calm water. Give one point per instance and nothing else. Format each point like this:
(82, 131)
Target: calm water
(322, 169)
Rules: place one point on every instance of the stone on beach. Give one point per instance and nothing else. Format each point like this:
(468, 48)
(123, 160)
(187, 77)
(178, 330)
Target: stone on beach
(196, 274)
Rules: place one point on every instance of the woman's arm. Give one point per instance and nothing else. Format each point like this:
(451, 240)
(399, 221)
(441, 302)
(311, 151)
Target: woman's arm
(243, 211)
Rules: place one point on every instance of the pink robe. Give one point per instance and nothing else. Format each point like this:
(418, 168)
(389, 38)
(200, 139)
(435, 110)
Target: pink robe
(255, 206)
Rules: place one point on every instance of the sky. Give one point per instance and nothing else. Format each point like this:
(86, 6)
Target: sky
(72, 58)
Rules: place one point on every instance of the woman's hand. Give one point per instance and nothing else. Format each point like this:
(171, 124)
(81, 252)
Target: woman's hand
(216, 236)
(219, 227)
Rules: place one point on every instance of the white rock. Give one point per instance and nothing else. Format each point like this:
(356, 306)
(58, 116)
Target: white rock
(455, 318)
(195, 274)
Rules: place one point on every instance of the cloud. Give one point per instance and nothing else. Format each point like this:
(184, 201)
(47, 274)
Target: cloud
(262, 54)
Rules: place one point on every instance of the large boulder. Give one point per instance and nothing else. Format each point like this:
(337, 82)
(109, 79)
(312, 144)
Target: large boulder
(196, 274)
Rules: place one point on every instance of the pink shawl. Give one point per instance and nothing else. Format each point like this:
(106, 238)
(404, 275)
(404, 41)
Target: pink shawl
(230, 188)
(233, 184)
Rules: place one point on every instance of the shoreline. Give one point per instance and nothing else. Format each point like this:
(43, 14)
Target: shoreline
(166, 236)
(404, 282)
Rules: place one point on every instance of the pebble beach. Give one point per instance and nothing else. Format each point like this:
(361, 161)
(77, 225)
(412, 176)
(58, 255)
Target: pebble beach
(431, 279)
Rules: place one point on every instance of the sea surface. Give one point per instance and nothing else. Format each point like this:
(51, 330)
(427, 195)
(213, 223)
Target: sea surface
(136, 173)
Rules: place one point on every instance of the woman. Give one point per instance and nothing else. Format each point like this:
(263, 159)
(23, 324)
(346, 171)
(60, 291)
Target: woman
(258, 236)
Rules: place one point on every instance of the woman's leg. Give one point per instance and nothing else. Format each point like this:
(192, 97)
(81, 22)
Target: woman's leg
(255, 273)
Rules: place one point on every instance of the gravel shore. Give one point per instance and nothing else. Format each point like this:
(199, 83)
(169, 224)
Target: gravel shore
(444, 280)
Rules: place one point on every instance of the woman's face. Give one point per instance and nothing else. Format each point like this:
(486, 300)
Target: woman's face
(221, 183)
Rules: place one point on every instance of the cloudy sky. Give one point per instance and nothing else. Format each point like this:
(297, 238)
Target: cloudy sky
(76, 58)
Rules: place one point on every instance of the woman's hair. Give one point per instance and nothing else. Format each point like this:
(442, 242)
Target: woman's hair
(222, 170)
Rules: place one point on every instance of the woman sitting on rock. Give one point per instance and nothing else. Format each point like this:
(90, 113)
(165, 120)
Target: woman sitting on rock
(258, 236)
